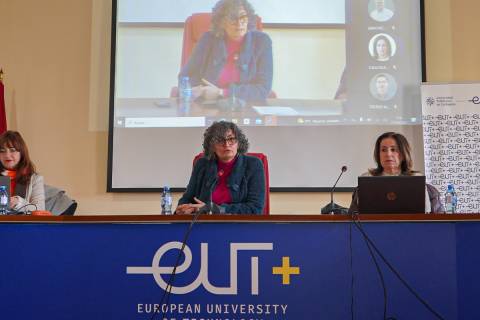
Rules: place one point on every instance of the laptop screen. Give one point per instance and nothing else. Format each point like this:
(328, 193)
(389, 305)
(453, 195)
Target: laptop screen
(391, 194)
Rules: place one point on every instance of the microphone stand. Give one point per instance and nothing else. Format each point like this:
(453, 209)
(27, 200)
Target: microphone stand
(208, 209)
(331, 208)
(210, 204)
(168, 289)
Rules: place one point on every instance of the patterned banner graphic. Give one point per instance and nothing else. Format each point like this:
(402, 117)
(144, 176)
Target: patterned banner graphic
(451, 133)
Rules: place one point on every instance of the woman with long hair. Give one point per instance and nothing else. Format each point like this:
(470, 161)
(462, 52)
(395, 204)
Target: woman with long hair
(26, 186)
(393, 158)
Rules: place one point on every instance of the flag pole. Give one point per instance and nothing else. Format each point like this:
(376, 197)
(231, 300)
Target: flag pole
(3, 116)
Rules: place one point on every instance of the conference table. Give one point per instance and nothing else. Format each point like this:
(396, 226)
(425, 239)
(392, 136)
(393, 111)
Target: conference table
(240, 267)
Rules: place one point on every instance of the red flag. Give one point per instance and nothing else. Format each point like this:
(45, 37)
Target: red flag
(3, 116)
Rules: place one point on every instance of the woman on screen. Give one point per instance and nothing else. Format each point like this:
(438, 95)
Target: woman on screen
(392, 156)
(225, 175)
(382, 49)
(232, 58)
(26, 186)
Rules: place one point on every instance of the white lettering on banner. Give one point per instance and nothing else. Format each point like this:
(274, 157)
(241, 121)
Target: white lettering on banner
(156, 270)
(215, 309)
(178, 308)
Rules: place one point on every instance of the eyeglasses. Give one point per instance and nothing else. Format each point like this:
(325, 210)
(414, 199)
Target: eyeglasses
(229, 141)
(9, 150)
(233, 19)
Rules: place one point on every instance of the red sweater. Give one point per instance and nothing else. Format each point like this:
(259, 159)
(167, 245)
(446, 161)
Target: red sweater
(221, 194)
(230, 73)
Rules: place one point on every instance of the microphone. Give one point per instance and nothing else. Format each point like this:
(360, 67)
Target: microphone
(236, 104)
(332, 207)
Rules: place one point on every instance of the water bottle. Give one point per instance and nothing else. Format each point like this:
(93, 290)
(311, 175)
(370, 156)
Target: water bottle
(166, 201)
(450, 199)
(3, 200)
(185, 90)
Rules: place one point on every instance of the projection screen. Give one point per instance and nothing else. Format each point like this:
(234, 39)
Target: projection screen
(344, 71)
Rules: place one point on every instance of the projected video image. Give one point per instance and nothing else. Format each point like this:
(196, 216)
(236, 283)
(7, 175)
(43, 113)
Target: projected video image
(266, 62)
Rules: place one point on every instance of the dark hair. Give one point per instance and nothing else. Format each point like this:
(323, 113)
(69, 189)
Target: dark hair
(225, 8)
(25, 167)
(387, 41)
(218, 131)
(404, 149)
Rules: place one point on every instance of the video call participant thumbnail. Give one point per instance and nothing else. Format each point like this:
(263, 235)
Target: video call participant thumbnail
(383, 87)
(382, 47)
(382, 10)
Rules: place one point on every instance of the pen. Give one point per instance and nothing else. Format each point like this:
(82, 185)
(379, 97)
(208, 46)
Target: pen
(208, 83)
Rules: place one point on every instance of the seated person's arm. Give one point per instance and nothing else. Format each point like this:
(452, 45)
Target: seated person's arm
(37, 196)
(188, 203)
(195, 65)
(259, 87)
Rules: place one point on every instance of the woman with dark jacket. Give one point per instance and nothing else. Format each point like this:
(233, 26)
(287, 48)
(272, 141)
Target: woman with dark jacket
(233, 56)
(225, 175)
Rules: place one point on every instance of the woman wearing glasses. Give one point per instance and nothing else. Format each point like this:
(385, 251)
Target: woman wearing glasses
(232, 180)
(232, 58)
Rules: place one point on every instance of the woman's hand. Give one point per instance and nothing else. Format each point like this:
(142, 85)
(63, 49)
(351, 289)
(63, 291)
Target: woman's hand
(197, 92)
(189, 208)
(13, 201)
(210, 91)
(198, 203)
(184, 209)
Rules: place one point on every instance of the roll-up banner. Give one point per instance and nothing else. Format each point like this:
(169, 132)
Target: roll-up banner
(451, 133)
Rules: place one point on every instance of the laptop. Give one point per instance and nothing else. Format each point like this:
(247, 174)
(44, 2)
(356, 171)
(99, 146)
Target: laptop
(391, 194)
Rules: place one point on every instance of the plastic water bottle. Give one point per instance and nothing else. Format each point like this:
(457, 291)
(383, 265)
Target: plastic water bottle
(166, 201)
(450, 199)
(3, 200)
(185, 90)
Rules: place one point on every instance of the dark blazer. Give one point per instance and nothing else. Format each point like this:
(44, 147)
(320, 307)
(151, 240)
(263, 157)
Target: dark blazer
(255, 63)
(246, 185)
